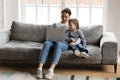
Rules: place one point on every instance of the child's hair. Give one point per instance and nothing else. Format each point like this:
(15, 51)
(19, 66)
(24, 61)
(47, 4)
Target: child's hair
(66, 10)
(74, 21)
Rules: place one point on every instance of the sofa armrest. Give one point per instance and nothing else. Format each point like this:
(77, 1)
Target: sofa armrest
(4, 36)
(108, 46)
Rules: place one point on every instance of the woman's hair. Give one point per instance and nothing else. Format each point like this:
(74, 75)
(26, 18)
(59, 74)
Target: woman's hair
(66, 10)
(74, 21)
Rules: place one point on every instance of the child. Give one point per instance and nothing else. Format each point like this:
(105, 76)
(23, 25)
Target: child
(76, 39)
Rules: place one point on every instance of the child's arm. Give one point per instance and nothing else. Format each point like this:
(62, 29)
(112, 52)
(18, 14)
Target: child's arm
(78, 41)
(82, 37)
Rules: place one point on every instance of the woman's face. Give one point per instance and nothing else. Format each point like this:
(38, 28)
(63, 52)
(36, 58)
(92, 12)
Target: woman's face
(65, 17)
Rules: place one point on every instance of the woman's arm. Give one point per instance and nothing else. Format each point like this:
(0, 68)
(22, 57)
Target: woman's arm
(54, 25)
(67, 38)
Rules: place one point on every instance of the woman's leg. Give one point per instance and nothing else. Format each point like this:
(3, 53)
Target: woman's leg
(58, 48)
(43, 57)
(44, 52)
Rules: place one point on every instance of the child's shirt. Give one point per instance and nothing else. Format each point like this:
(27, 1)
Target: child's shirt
(77, 35)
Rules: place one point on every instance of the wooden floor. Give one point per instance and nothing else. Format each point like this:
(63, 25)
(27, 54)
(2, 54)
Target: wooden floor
(87, 70)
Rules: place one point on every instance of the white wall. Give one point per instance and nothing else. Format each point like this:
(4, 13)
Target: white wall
(113, 18)
(117, 29)
(10, 12)
(1, 14)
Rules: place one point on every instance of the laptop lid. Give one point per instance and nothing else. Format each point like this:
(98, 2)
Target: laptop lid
(55, 34)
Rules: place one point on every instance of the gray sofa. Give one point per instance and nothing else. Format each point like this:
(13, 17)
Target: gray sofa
(23, 43)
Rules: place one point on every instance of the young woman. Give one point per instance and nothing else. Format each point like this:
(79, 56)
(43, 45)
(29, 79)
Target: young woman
(76, 39)
(58, 47)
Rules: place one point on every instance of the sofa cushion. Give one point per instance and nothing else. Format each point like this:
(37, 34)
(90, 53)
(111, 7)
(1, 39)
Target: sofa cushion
(93, 34)
(20, 50)
(28, 32)
(68, 57)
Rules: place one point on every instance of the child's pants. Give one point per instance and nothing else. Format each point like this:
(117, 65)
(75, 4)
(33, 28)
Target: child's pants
(78, 47)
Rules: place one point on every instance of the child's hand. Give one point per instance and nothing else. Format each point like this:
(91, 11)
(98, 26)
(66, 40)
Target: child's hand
(72, 39)
(72, 43)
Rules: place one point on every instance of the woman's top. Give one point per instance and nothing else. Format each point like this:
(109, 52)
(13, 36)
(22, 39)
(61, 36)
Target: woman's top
(60, 25)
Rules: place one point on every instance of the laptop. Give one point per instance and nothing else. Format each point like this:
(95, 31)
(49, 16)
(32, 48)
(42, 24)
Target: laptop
(55, 34)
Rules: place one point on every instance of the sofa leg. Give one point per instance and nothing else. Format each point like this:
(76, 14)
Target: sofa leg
(115, 68)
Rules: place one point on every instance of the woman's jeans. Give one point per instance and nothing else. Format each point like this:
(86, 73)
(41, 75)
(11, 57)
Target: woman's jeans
(79, 47)
(58, 47)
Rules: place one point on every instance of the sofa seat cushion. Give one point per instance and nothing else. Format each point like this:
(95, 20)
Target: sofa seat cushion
(20, 50)
(94, 52)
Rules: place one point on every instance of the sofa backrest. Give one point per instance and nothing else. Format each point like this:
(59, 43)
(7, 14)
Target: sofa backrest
(37, 33)
(28, 32)
(93, 34)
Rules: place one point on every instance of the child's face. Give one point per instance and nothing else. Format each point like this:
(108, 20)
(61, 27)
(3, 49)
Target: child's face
(65, 17)
(72, 26)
